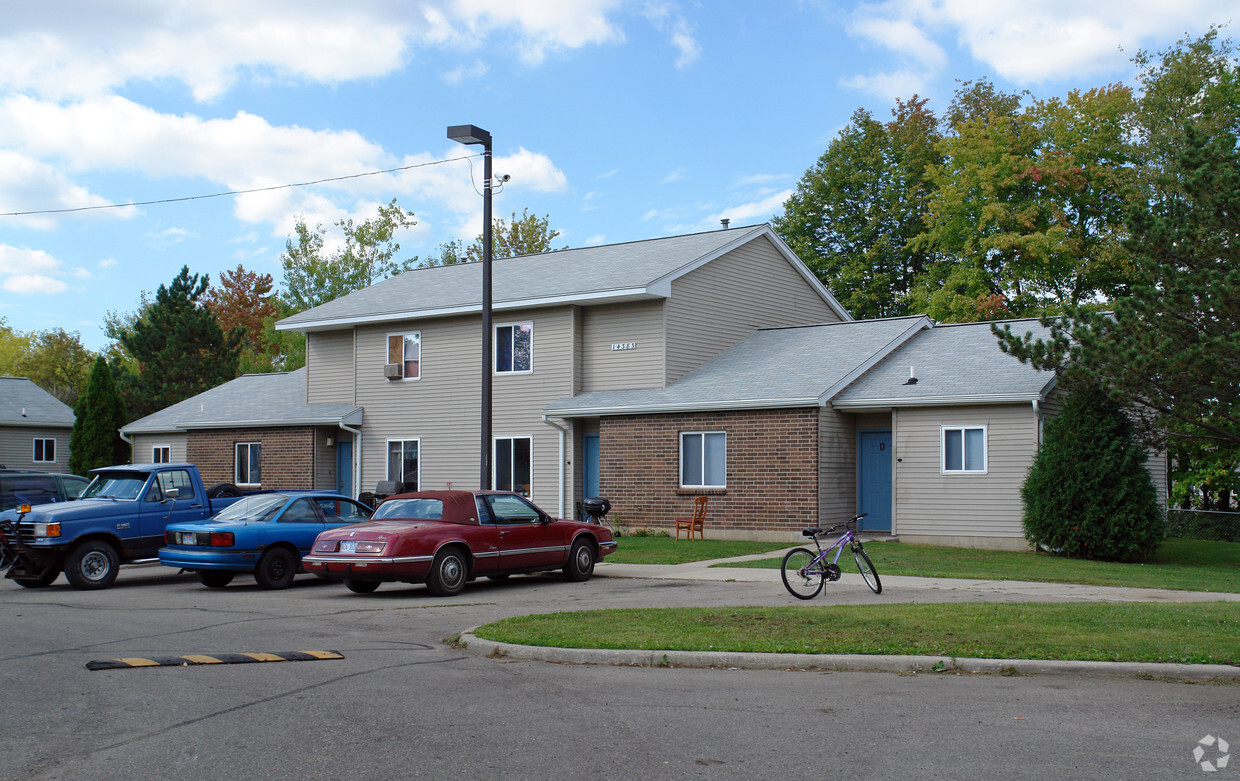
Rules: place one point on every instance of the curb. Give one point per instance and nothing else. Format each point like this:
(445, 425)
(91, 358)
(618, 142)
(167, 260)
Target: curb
(841, 662)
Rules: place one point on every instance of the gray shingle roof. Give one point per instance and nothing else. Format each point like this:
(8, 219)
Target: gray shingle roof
(613, 272)
(277, 399)
(19, 395)
(955, 364)
(777, 367)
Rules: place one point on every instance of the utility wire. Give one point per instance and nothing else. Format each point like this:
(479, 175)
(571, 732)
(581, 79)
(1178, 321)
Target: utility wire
(241, 192)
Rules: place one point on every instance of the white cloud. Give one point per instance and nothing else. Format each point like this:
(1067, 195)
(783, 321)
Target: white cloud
(668, 20)
(33, 284)
(31, 185)
(108, 263)
(753, 211)
(595, 240)
(543, 26)
(673, 176)
(466, 73)
(18, 259)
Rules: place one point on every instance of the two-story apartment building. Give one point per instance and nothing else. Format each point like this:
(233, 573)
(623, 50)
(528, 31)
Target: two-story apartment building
(649, 372)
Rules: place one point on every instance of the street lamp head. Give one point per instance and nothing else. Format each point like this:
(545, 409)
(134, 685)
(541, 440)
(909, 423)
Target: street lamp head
(469, 134)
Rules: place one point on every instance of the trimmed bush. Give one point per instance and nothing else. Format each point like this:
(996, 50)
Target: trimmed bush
(1088, 494)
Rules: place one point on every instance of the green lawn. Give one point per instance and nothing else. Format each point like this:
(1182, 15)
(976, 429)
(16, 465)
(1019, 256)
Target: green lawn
(666, 550)
(1188, 565)
(1135, 632)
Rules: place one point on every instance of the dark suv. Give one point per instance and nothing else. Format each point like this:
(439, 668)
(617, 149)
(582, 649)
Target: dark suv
(26, 486)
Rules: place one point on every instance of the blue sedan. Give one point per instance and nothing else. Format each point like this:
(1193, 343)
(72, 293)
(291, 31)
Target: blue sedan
(266, 534)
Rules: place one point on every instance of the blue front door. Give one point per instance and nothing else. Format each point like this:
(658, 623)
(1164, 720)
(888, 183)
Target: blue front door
(589, 476)
(874, 480)
(344, 466)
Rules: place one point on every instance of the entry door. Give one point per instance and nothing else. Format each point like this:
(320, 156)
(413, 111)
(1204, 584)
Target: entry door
(874, 480)
(589, 477)
(344, 466)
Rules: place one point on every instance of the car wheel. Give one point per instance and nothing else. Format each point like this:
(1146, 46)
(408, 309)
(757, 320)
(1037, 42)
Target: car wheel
(361, 586)
(40, 582)
(92, 565)
(276, 569)
(215, 578)
(580, 564)
(448, 573)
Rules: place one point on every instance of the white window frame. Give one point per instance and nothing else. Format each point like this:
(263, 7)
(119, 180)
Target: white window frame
(964, 470)
(405, 337)
(161, 450)
(34, 450)
(387, 455)
(245, 479)
(495, 347)
(512, 464)
(704, 439)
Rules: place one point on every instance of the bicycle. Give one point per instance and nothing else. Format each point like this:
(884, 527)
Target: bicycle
(804, 571)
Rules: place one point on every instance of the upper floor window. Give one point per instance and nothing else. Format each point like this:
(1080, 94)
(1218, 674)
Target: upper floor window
(405, 352)
(249, 456)
(703, 459)
(964, 449)
(514, 348)
(45, 451)
(161, 454)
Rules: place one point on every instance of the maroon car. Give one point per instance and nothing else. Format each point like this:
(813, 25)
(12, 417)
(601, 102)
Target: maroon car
(447, 538)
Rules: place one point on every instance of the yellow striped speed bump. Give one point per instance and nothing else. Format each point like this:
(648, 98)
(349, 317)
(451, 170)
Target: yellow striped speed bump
(196, 659)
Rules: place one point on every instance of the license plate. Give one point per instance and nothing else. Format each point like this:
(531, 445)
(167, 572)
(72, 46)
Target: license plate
(188, 538)
(348, 546)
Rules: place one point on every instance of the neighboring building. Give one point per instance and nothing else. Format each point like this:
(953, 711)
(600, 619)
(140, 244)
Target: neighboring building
(35, 427)
(651, 373)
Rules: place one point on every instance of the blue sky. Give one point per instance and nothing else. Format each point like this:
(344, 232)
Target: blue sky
(621, 120)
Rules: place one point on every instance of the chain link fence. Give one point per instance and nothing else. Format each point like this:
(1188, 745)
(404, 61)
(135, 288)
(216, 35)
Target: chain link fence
(1203, 525)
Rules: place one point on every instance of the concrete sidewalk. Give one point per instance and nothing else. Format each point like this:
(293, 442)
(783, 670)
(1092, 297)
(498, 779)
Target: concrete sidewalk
(896, 588)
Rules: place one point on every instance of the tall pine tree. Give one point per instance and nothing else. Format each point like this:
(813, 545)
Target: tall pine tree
(100, 413)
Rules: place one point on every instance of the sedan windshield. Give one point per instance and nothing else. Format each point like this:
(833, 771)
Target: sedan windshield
(429, 509)
(262, 507)
(119, 485)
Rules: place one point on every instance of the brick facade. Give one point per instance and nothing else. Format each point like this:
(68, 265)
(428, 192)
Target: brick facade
(287, 456)
(772, 471)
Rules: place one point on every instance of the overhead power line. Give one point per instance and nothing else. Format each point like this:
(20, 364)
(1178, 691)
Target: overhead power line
(235, 192)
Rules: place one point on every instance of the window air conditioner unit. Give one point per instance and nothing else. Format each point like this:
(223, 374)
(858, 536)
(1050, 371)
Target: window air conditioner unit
(393, 371)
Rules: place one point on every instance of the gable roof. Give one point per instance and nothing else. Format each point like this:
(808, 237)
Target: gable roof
(276, 399)
(956, 363)
(22, 403)
(799, 366)
(604, 274)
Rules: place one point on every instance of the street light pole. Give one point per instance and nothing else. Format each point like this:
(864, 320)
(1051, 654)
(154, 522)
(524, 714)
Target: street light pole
(470, 134)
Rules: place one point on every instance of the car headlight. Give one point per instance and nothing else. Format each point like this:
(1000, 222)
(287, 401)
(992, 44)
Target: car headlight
(47, 530)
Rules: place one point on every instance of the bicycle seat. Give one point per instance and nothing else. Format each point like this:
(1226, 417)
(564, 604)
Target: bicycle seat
(811, 532)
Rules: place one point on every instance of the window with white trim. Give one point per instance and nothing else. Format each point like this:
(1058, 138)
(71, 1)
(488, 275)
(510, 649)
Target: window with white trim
(514, 348)
(403, 463)
(703, 459)
(45, 451)
(964, 449)
(161, 454)
(405, 351)
(247, 465)
(512, 464)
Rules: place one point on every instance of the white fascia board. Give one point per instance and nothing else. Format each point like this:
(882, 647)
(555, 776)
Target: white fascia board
(352, 418)
(920, 324)
(940, 401)
(689, 406)
(40, 423)
(599, 297)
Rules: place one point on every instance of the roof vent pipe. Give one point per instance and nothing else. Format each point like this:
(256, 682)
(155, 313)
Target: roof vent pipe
(912, 376)
(724, 222)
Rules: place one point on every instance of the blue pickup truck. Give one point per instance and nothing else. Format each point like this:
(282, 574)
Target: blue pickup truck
(119, 518)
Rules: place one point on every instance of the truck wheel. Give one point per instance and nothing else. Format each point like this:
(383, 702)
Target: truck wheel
(92, 565)
(46, 580)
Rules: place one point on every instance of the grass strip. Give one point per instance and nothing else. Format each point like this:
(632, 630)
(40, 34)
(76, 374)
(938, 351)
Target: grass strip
(1187, 565)
(1196, 633)
(666, 550)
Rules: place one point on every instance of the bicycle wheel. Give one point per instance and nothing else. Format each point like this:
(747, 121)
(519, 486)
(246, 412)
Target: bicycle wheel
(802, 577)
(867, 569)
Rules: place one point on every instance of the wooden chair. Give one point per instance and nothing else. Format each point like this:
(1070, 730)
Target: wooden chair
(694, 523)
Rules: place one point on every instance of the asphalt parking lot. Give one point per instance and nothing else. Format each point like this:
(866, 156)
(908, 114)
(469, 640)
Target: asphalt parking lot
(403, 703)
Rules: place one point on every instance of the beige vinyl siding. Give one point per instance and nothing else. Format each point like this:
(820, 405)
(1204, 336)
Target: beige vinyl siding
(325, 459)
(17, 447)
(144, 443)
(946, 507)
(719, 304)
(442, 409)
(837, 466)
(639, 323)
(329, 367)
